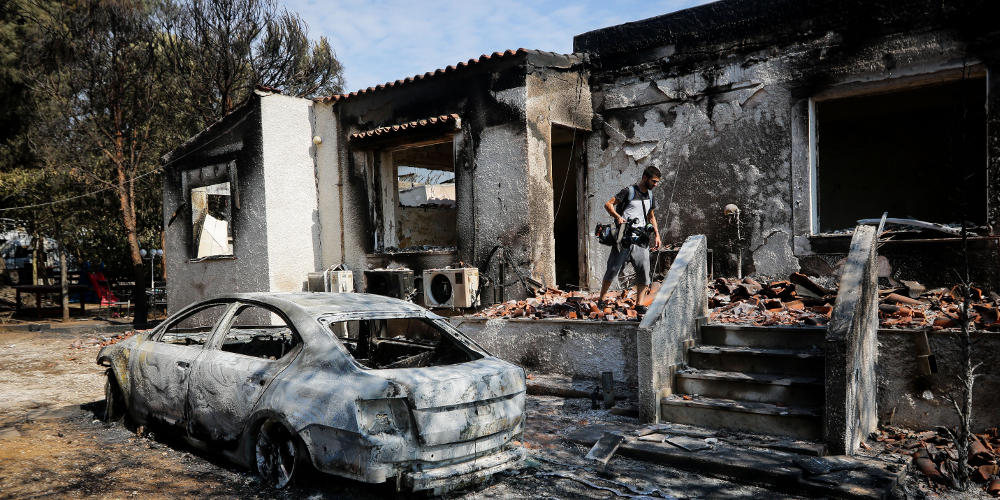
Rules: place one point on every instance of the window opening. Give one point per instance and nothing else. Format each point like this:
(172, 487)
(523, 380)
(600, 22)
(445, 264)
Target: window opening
(194, 328)
(259, 332)
(426, 203)
(211, 216)
(400, 343)
(905, 152)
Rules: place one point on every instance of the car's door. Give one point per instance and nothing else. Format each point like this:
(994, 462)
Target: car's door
(162, 366)
(250, 349)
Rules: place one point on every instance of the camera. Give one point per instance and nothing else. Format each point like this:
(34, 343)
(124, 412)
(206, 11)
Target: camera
(637, 234)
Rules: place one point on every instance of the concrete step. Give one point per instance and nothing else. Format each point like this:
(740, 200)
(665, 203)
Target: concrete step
(799, 362)
(780, 337)
(747, 416)
(756, 387)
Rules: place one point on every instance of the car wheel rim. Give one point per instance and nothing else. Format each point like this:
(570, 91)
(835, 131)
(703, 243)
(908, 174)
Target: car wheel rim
(109, 401)
(275, 457)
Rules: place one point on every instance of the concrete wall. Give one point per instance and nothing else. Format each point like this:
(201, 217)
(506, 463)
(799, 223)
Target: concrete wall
(574, 348)
(555, 95)
(718, 97)
(425, 225)
(235, 139)
(290, 202)
(851, 349)
(671, 325)
(909, 398)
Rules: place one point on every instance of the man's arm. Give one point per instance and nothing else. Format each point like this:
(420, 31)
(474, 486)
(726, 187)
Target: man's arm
(656, 230)
(610, 207)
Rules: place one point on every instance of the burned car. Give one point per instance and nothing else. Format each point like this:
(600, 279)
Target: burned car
(362, 386)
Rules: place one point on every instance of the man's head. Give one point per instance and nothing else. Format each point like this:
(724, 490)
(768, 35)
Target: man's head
(650, 177)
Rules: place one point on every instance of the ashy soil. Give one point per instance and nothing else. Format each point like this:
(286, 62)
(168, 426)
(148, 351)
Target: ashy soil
(52, 444)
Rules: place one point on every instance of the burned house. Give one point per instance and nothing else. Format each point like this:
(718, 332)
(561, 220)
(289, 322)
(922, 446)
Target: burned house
(429, 171)
(803, 117)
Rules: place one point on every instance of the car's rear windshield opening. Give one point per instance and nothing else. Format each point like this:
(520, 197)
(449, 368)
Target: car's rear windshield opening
(400, 343)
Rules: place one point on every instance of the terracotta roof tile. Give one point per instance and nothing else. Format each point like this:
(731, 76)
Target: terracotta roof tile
(440, 71)
(409, 126)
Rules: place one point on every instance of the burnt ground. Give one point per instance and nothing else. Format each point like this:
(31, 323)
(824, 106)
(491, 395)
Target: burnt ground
(53, 445)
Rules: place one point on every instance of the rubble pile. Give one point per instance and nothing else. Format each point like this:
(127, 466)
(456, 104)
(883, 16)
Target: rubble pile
(910, 306)
(554, 303)
(935, 456)
(796, 301)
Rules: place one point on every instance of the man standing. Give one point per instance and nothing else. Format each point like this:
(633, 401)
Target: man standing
(634, 202)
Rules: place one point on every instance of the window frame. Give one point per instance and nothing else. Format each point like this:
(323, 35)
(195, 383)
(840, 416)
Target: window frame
(191, 311)
(218, 338)
(208, 175)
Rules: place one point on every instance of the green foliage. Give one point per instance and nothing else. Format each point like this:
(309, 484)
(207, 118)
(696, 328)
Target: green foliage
(94, 92)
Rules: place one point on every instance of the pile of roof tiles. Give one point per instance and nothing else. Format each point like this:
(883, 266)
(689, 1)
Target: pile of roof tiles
(554, 303)
(796, 301)
(935, 456)
(911, 306)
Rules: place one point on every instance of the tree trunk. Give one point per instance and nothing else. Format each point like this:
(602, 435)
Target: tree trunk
(129, 221)
(64, 282)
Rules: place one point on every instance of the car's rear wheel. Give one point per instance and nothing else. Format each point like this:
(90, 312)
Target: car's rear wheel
(277, 455)
(114, 401)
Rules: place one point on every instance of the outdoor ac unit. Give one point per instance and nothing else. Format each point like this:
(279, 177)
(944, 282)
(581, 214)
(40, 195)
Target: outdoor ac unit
(396, 283)
(451, 287)
(331, 281)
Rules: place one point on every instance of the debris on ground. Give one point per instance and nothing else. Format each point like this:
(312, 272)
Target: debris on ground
(102, 341)
(555, 303)
(797, 301)
(802, 300)
(912, 306)
(935, 456)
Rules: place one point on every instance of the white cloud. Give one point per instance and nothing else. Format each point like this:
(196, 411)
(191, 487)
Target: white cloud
(385, 40)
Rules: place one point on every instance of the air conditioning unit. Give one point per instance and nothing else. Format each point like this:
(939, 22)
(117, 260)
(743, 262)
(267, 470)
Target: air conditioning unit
(451, 287)
(331, 281)
(396, 283)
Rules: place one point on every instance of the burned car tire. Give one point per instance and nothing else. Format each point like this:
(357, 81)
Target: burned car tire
(114, 401)
(277, 455)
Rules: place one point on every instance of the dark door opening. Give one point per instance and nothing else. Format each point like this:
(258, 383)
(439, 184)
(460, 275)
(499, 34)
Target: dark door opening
(567, 145)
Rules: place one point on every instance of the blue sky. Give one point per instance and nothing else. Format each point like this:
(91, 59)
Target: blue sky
(385, 40)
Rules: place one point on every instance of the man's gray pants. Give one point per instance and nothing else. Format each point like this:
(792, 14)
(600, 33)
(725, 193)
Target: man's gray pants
(638, 254)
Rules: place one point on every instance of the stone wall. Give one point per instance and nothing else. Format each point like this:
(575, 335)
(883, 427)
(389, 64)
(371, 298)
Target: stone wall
(851, 349)
(909, 398)
(671, 325)
(574, 348)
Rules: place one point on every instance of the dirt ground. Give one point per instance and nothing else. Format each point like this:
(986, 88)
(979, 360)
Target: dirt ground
(53, 445)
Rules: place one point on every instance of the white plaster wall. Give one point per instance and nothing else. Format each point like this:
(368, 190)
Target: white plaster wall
(329, 184)
(290, 196)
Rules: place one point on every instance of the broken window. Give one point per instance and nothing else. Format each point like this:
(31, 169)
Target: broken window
(194, 328)
(425, 204)
(400, 343)
(211, 213)
(916, 153)
(259, 332)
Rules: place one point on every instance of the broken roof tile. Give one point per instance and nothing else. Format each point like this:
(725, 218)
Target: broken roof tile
(409, 126)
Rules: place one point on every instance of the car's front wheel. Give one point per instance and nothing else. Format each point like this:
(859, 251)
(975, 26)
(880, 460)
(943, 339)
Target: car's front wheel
(114, 402)
(277, 455)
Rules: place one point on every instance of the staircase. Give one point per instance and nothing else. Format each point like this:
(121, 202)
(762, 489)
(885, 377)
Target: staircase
(766, 380)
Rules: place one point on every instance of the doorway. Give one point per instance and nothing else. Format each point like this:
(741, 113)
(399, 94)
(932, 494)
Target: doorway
(567, 148)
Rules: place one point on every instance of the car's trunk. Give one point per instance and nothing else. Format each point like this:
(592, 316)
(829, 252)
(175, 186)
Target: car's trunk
(463, 402)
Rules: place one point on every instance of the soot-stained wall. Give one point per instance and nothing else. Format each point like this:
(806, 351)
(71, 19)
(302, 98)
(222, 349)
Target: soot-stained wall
(236, 140)
(502, 161)
(718, 98)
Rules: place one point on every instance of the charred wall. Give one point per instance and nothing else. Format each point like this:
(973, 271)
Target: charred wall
(235, 140)
(501, 161)
(719, 99)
